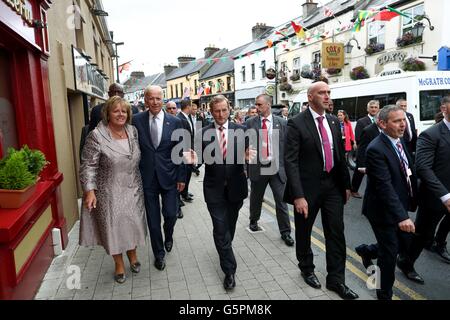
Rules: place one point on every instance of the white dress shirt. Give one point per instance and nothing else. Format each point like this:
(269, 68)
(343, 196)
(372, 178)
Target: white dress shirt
(329, 133)
(159, 123)
(188, 120)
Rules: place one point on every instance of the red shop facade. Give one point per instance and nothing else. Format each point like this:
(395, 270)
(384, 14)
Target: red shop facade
(26, 244)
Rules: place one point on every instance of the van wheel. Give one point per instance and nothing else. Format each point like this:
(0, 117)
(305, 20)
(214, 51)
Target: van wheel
(351, 159)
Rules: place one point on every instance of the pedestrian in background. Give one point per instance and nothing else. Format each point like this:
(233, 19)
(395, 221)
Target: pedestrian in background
(347, 131)
(113, 214)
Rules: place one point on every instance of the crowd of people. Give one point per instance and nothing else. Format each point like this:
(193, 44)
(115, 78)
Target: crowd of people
(132, 183)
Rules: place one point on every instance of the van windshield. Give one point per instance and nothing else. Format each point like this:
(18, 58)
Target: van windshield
(430, 103)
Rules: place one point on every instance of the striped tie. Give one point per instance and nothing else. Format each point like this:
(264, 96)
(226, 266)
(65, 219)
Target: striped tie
(223, 142)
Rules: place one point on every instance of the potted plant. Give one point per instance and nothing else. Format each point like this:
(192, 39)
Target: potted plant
(306, 72)
(413, 64)
(295, 77)
(333, 71)
(19, 171)
(407, 39)
(374, 48)
(285, 87)
(358, 73)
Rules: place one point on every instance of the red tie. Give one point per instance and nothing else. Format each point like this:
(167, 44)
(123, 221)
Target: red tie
(265, 140)
(223, 142)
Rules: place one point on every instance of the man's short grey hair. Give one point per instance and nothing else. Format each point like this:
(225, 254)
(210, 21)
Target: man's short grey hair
(445, 100)
(383, 115)
(152, 87)
(372, 102)
(399, 101)
(266, 97)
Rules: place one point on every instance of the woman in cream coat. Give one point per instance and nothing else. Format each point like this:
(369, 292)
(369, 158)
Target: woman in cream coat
(113, 214)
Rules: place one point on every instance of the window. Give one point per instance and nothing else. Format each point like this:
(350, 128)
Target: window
(414, 12)
(376, 32)
(263, 69)
(229, 84)
(196, 86)
(296, 66)
(171, 91)
(253, 71)
(283, 69)
(181, 90)
(430, 103)
(243, 73)
(176, 90)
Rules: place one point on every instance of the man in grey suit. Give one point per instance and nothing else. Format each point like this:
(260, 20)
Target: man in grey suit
(269, 169)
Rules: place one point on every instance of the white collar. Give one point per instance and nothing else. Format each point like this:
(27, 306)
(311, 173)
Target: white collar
(225, 125)
(269, 118)
(393, 141)
(160, 115)
(315, 114)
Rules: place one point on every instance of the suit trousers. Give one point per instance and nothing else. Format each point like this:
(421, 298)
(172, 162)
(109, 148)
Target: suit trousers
(169, 211)
(224, 216)
(357, 180)
(256, 197)
(185, 191)
(426, 222)
(443, 230)
(391, 240)
(330, 202)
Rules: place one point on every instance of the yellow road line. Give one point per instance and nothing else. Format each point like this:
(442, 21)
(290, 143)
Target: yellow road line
(351, 267)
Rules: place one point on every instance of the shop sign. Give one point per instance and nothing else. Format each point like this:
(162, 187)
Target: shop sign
(332, 55)
(87, 77)
(22, 8)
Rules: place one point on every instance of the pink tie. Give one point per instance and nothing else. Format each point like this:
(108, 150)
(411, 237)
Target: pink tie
(326, 145)
(223, 142)
(265, 137)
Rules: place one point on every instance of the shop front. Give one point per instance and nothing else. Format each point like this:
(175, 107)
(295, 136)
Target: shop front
(26, 243)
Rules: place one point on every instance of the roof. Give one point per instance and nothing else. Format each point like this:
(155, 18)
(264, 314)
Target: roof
(194, 66)
(224, 65)
(141, 84)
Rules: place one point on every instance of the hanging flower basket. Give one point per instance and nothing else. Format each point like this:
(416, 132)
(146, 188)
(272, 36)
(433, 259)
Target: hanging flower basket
(295, 77)
(359, 73)
(285, 87)
(407, 39)
(374, 48)
(333, 71)
(413, 64)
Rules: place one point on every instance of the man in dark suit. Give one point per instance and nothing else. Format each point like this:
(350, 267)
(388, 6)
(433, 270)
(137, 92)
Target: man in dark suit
(373, 107)
(185, 116)
(318, 179)
(270, 131)
(433, 169)
(410, 136)
(115, 89)
(225, 183)
(391, 192)
(160, 175)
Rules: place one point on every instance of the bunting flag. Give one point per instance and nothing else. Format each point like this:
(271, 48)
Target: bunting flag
(269, 43)
(125, 67)
(299, 31)
(327, 12)
(400, 13)
(282, 32)
(385, 15)
(186, 93)
(363, 15)
(200, 91)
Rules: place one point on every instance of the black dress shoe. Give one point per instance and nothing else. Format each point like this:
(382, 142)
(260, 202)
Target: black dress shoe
(187, 198)
(410, 273)
(119, 278)
(190, 195)
(229, 282)
(160, 264)
(343, 291)
(168, 245)
(366, 261)
(311, 280)
(135, 267)
(287, 239)
(180, 214)
(441, 250)
(181, 203)
(253, 226)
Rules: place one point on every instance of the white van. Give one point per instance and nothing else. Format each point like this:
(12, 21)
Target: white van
(423, 91)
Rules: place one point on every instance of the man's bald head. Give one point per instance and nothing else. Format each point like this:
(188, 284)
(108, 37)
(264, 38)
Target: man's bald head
(319, 96)
(171, 107)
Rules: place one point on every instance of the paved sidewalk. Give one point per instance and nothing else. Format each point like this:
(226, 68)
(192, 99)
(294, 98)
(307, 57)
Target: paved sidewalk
(267, 268)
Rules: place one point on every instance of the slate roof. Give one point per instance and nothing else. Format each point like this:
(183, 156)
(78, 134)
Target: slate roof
(224, 65)
(141, 84)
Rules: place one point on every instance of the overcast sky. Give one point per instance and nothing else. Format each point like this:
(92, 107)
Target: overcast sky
(156, 32)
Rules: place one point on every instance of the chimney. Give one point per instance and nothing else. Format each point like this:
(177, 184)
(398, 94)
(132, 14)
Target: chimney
(209, 51)
(137, 74)
(168, 69)
(184, 60)
(259, 30)
(308, 7)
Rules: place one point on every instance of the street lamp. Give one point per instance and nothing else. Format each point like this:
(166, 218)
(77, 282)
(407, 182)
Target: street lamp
(116, 44)
(349, 47)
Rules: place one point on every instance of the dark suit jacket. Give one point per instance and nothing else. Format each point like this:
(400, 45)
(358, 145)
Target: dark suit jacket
(360, 125)
(304, 161)
(433, 165)
(96, 115)
(411, 145)
(187, 126)
(368, 134)
(159, 162)
(224, 182)
(387, 200)
(254, 170)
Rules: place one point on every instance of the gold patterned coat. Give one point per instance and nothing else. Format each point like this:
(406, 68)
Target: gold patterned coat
(118, 221)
